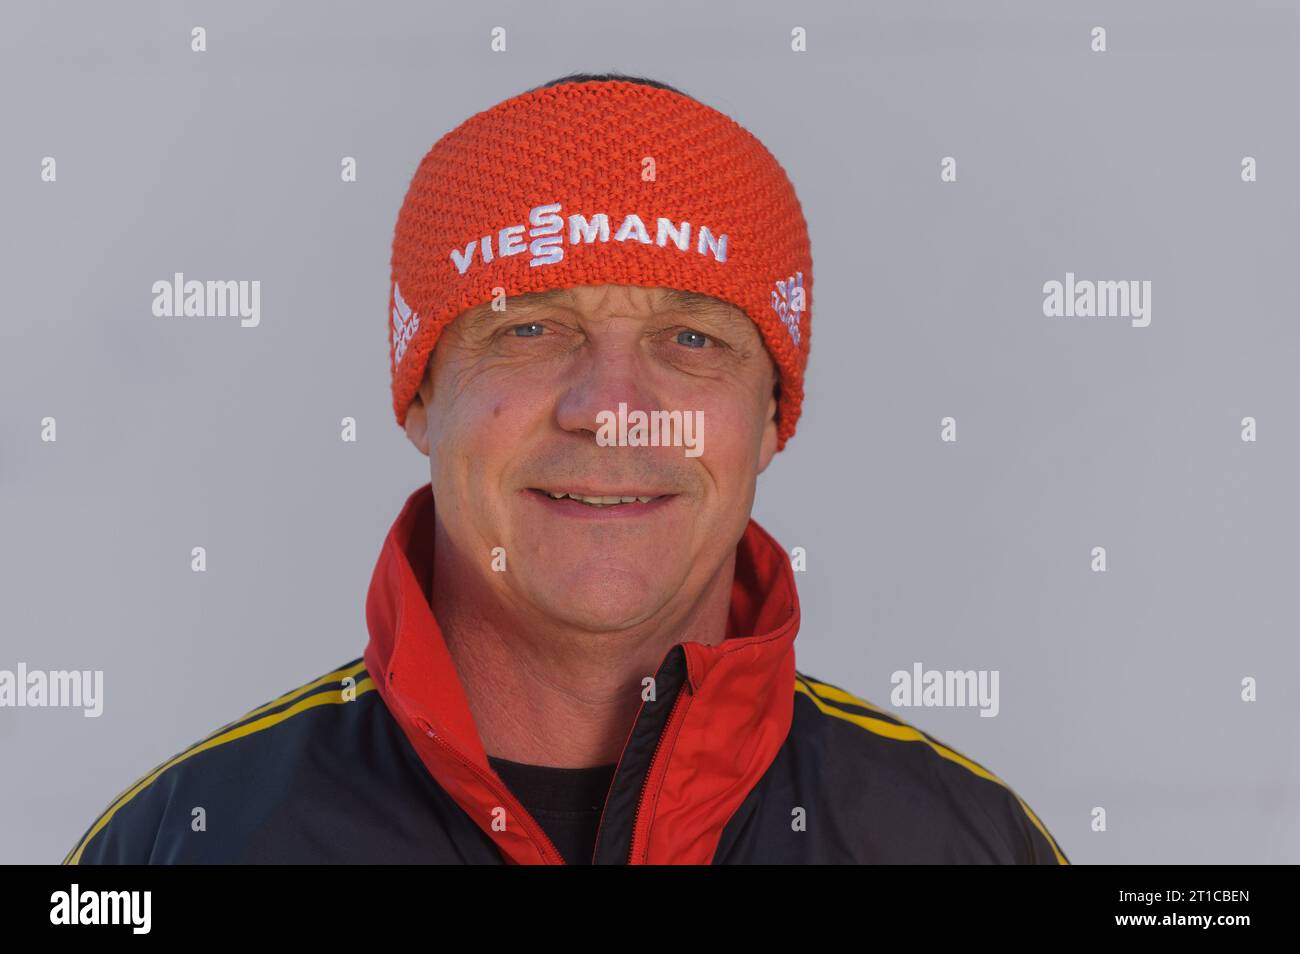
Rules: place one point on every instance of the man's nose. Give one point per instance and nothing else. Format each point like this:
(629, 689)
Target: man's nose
(603, 377)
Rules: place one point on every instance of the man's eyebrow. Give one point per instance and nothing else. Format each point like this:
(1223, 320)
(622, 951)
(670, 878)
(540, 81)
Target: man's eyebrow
(517, 303)
(695, 303)
(673, 299)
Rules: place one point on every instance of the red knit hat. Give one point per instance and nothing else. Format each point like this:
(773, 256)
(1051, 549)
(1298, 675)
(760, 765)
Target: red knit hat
(547, 190)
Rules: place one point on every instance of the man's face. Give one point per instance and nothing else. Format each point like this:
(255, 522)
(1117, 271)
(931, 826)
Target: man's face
(510, 409)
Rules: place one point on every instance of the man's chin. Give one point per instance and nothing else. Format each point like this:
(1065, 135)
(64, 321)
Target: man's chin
(599, 598)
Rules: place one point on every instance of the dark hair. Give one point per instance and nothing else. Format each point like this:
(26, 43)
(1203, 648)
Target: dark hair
(606, 77)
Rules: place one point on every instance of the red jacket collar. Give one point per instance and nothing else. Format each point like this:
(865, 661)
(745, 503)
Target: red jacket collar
(735, 713)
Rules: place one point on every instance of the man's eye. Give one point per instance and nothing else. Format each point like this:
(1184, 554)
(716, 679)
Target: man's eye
(693, 339)
(531, 324)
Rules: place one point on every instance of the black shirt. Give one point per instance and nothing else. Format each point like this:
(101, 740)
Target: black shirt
(567, 802)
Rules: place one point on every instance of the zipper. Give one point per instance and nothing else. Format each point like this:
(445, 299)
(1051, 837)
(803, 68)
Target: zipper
(639, 838)
(669, 725)
(530, 825)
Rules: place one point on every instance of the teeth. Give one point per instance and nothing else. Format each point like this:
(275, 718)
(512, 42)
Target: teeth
(599, 501)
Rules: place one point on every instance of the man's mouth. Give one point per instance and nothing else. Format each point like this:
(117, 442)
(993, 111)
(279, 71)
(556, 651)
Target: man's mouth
(621, 499)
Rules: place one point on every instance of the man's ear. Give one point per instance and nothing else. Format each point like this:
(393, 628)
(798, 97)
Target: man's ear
(767, 448)
(417, 417)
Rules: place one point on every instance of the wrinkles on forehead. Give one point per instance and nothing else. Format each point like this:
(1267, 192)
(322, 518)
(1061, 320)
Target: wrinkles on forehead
(667, 300)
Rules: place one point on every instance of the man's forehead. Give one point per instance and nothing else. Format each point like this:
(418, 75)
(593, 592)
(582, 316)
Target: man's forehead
(664, 299)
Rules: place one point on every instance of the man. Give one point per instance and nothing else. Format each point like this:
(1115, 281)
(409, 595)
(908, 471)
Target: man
(581, 646)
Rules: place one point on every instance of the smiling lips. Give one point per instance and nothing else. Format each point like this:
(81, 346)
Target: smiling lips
(602, 500)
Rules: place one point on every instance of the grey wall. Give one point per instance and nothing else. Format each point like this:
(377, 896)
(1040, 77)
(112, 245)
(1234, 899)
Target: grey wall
(1119, 690)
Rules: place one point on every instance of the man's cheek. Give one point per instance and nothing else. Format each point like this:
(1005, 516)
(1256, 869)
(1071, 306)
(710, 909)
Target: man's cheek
(723, 429)
(470, 414)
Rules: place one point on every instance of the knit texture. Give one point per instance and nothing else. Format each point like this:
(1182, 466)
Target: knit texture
(480, 213)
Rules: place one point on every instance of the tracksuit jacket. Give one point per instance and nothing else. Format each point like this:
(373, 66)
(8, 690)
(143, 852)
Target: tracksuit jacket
(739, 758)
